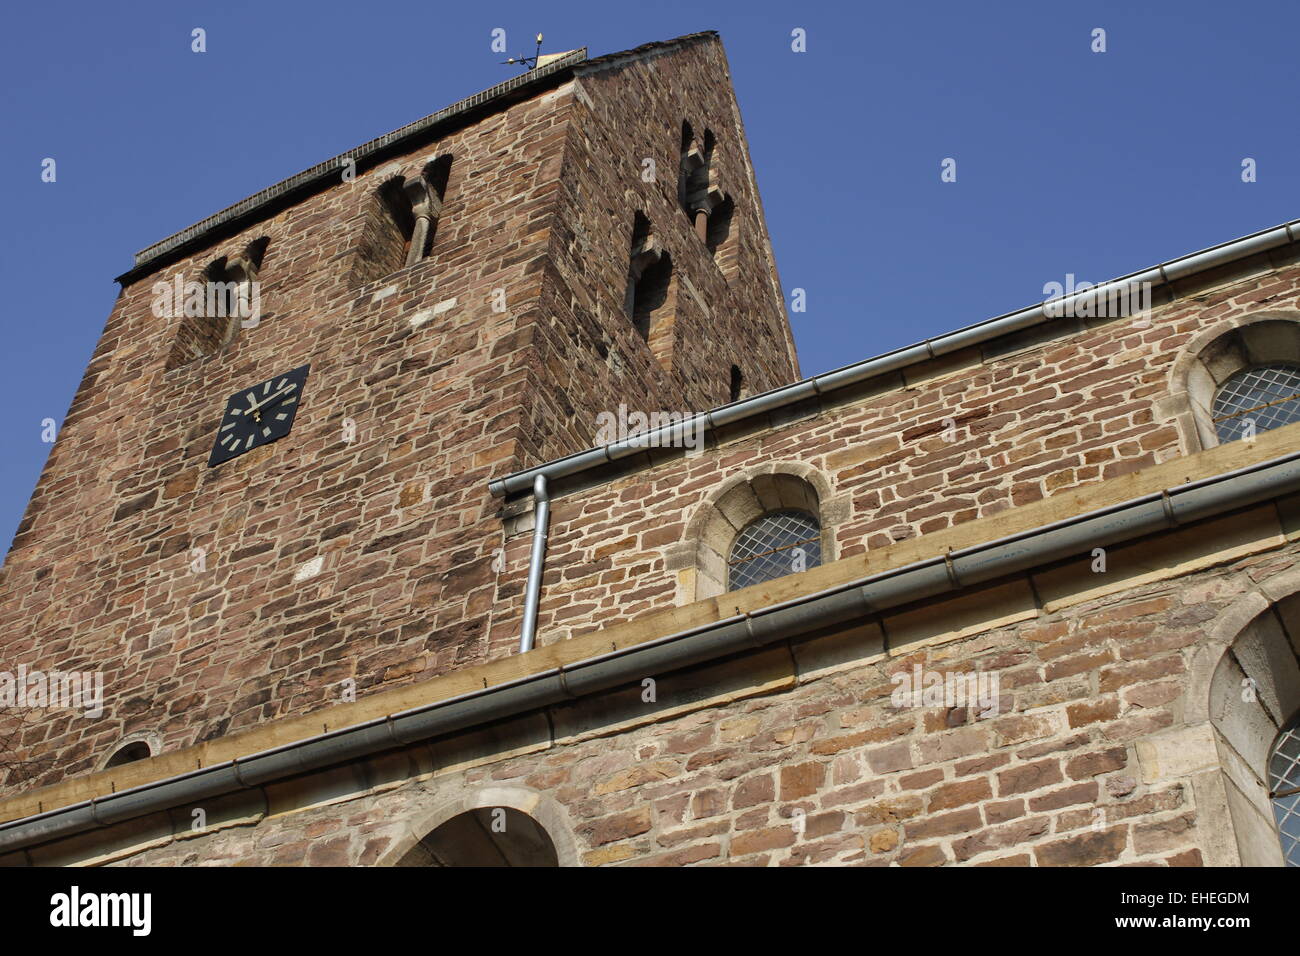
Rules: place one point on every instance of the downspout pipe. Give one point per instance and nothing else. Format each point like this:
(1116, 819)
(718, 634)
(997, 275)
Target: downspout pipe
(705, 423)
(852, 601)
(536, 564)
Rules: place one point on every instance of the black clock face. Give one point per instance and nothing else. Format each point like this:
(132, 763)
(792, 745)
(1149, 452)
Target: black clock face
(258, 415)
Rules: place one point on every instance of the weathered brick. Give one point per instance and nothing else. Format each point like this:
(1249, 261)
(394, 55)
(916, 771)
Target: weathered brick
(1029, 777)
(1101, 761)
(1086, 849)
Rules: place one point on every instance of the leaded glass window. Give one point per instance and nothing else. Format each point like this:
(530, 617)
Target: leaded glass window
(779, 543)
(1284, 790)
(1257, 399)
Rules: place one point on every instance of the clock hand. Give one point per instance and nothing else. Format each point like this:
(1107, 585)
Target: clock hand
(256, 407)
(274, 395)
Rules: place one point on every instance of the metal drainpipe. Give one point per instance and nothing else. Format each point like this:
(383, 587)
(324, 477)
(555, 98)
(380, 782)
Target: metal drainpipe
(536, 563)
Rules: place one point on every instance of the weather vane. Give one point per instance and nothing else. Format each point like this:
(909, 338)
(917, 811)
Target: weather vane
(528, 62)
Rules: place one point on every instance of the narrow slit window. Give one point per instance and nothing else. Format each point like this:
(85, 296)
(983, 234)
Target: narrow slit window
(649, 279)
(737, 383)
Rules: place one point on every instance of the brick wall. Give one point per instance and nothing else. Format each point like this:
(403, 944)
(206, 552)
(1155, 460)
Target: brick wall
(955, 441)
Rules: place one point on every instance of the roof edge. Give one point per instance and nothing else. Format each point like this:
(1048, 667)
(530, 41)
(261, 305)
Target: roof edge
(258, 205)
(251, 208)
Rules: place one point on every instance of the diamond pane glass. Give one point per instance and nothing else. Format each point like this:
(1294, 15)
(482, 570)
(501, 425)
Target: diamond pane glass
(1264, 397)
(1283, 777)
(777, 544)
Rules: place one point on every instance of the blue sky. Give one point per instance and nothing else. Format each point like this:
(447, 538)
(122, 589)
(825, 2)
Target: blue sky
(1068, 161)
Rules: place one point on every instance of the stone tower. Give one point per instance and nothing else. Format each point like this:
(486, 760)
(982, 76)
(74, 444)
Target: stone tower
(469, 293)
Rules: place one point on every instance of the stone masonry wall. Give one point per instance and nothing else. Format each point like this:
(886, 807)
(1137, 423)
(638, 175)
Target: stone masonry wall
(622, 118)
(1093, 757)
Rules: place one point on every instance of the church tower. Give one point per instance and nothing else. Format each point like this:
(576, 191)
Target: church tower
(270, 493)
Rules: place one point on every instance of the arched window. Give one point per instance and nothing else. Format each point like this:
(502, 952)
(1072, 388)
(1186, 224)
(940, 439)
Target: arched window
(650, 299)
(777, 544)
(719, 551)
(227, 299)
(1257, 399)
(137, 750)
(1284, 789)
(1235, 379)
(415, 206)
(1254, 710)
(403, 223)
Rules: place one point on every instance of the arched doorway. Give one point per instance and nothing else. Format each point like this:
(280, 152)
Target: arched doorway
(486, 836)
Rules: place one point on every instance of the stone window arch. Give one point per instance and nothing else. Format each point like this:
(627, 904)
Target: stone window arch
(650, 299)
(488, 826)
(702, 198)
(129, 749)
(1254, 708)
(226, 299)
(1234, 380)
(703, 560)
(486, 836)
(404, 220)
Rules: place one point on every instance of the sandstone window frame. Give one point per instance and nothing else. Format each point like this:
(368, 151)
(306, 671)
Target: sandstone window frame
(1249, 675)
(1214, 356)
(131, 748)
(455, 798)
(409, 210)
(202, 336)
(700, 558)
(650, 297)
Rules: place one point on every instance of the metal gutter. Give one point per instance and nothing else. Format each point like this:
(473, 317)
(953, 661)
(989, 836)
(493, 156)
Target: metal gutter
(1160, 276)
(791, 619)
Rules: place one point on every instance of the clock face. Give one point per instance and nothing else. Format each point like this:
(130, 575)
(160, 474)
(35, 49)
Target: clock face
(258, 415)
